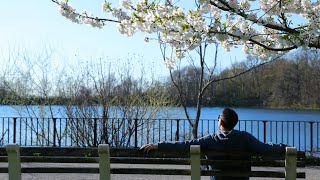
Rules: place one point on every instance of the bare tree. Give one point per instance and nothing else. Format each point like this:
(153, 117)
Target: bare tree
(116, 100)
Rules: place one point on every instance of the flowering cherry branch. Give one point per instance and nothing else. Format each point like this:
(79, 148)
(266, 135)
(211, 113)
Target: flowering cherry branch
(229, 23)
(280, 27)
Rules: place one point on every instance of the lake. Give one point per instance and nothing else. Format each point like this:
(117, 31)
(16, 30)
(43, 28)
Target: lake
(176, 112)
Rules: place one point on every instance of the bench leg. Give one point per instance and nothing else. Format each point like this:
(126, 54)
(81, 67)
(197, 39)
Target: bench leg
(195, 162)
(291, 163)
(14, 164)
(104, 161)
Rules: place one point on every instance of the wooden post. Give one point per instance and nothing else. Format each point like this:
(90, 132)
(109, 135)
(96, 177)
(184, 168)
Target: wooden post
(195, 162)
(104, 161)
(291, 163)
(14, 165)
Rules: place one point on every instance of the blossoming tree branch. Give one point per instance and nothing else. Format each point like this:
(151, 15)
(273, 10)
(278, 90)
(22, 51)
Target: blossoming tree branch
(266, 29)
(263, 28)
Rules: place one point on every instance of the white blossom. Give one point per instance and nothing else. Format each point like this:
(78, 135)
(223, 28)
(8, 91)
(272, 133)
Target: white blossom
(126, 3)
(170, 63)
(225, 45)
(125, 27)
(244, 4)
(246, 49)
(179, 54)
(119, 13)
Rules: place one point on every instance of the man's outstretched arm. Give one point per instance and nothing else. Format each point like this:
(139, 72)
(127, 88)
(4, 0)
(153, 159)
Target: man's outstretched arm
(177, 145)
(259, 147)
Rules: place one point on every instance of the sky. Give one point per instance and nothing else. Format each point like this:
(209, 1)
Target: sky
(34, 25)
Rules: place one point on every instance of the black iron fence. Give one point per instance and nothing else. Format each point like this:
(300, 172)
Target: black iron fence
(123, 132)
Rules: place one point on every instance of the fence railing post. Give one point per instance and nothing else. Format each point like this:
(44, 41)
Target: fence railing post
(104, 161)
(264, 131)
(14, 164)
(195, 162)
(54, 131)
(177, 132)
(291, 163)
(135, 132)
(311, 139)
(14, 130)
(95, 143)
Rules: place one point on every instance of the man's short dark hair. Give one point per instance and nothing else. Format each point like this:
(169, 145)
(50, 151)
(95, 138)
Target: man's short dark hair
(230, 118)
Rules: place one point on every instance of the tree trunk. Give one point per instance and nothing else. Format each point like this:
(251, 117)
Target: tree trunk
(196, 121)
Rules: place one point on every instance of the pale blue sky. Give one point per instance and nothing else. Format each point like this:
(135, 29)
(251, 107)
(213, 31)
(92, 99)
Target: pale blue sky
(33, 24)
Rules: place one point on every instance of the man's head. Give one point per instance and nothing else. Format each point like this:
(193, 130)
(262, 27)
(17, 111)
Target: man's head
(229, 118)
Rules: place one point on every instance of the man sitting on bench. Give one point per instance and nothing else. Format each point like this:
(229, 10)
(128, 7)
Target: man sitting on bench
(226, 139)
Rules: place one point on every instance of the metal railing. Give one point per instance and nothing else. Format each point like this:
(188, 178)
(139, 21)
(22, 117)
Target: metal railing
(122, 132)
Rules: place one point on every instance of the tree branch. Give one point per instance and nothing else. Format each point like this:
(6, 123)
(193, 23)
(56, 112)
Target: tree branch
(239, 74)
(89, 17)
(245, 16)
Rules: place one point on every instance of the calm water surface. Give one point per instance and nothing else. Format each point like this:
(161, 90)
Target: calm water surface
(207, 113)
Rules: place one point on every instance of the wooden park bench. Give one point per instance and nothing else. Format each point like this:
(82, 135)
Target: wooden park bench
(134, 161)
(274, 166)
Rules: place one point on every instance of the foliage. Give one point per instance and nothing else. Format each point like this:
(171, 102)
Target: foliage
(291, 82)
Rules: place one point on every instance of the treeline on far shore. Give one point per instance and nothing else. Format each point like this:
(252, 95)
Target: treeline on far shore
(290, 82)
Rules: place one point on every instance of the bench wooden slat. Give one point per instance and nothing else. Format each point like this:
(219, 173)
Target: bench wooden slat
(3, 169)
(129, 160)
(118, 152)
(276, 163)
(55, 151)
(239, 155)
(3, 158)
(178, 161)
(174, 161)
(89, 170)
(301, 175)
(268, 163)
(59, 159)
(150, 171)
(124, 152)
(276, 174)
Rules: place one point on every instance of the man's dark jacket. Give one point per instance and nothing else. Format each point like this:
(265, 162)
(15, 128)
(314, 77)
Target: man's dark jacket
(231, 141)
